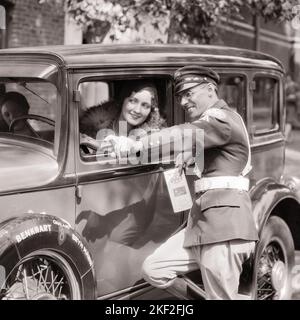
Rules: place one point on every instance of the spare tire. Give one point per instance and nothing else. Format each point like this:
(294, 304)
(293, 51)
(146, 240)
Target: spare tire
(43, 258)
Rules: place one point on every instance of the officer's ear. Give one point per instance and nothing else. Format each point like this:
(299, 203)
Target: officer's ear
(212, 88)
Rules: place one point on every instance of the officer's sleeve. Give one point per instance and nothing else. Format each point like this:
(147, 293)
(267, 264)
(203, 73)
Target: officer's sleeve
(208, 132)
(216, 129)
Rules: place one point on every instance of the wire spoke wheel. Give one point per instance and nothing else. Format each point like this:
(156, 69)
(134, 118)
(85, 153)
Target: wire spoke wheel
(43, 275)
(275, 260)
(272, 272)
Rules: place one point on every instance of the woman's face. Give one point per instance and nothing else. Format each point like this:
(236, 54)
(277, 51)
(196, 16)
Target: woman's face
(137, 107)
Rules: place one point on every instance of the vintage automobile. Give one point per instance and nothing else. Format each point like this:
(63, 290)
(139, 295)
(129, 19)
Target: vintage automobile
(74, 227)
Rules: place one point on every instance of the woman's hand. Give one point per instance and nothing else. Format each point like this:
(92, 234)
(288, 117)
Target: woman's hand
(88, 141)
(98, 146)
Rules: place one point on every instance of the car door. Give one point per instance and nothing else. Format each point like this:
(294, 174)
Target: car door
(123, 210)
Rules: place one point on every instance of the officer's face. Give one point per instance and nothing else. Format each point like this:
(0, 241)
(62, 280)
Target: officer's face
(195, 101)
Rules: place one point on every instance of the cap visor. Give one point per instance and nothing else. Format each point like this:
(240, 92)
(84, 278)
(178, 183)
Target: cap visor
(186, 86)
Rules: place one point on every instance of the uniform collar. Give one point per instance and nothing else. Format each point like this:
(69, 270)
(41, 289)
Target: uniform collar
(220, 104)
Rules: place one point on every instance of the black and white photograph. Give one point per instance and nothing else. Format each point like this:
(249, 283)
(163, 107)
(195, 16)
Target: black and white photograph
(149, 150)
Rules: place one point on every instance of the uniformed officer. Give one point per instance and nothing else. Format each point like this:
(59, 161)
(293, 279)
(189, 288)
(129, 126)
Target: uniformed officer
(220, 233)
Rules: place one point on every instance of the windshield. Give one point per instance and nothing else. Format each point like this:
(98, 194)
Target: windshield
(28, 110)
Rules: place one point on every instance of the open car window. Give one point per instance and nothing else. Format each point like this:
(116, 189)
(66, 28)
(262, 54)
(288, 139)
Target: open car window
(232, 89)
(116, 107)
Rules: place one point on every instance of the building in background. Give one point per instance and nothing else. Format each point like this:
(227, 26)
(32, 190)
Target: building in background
(28, 24)
(280, 40)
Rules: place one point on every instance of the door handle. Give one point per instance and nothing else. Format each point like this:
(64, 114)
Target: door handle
(78, 194)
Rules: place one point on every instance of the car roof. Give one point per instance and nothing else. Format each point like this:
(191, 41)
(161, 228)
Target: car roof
(94, 55)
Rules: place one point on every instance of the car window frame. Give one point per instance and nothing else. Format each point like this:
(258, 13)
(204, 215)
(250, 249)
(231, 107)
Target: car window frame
(58, 128)
(268, 138)
(85, 167)
(277, 127)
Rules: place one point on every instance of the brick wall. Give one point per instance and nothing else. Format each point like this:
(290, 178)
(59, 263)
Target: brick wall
(34, 24)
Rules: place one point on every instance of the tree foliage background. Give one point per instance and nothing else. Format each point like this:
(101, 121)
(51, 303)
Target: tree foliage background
(176, 21)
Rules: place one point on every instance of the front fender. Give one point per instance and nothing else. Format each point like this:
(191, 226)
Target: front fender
(266, 195)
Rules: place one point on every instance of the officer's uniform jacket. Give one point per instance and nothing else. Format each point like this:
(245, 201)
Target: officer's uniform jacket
(220, 214)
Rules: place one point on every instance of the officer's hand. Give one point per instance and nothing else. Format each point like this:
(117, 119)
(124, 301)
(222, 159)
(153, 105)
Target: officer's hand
(123, 146)
(184, 160)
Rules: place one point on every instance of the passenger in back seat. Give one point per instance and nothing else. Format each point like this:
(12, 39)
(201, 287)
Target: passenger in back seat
(13, 106)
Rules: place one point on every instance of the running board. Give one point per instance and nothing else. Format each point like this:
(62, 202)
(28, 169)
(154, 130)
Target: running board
(184, 288)
(193, 287)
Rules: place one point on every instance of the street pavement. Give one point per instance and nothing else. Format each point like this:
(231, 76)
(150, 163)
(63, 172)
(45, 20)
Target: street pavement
(292, 168)
(292, 154)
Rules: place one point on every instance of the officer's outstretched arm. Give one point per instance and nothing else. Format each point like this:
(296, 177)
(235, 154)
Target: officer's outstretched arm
(205, 133)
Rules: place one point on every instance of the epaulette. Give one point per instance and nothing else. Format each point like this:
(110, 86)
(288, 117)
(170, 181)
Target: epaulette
(215, 113)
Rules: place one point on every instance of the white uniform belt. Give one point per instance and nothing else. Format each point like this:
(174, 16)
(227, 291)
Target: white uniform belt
(223, 182)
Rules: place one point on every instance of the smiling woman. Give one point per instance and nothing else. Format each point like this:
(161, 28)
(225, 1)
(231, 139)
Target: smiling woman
(131, 109)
